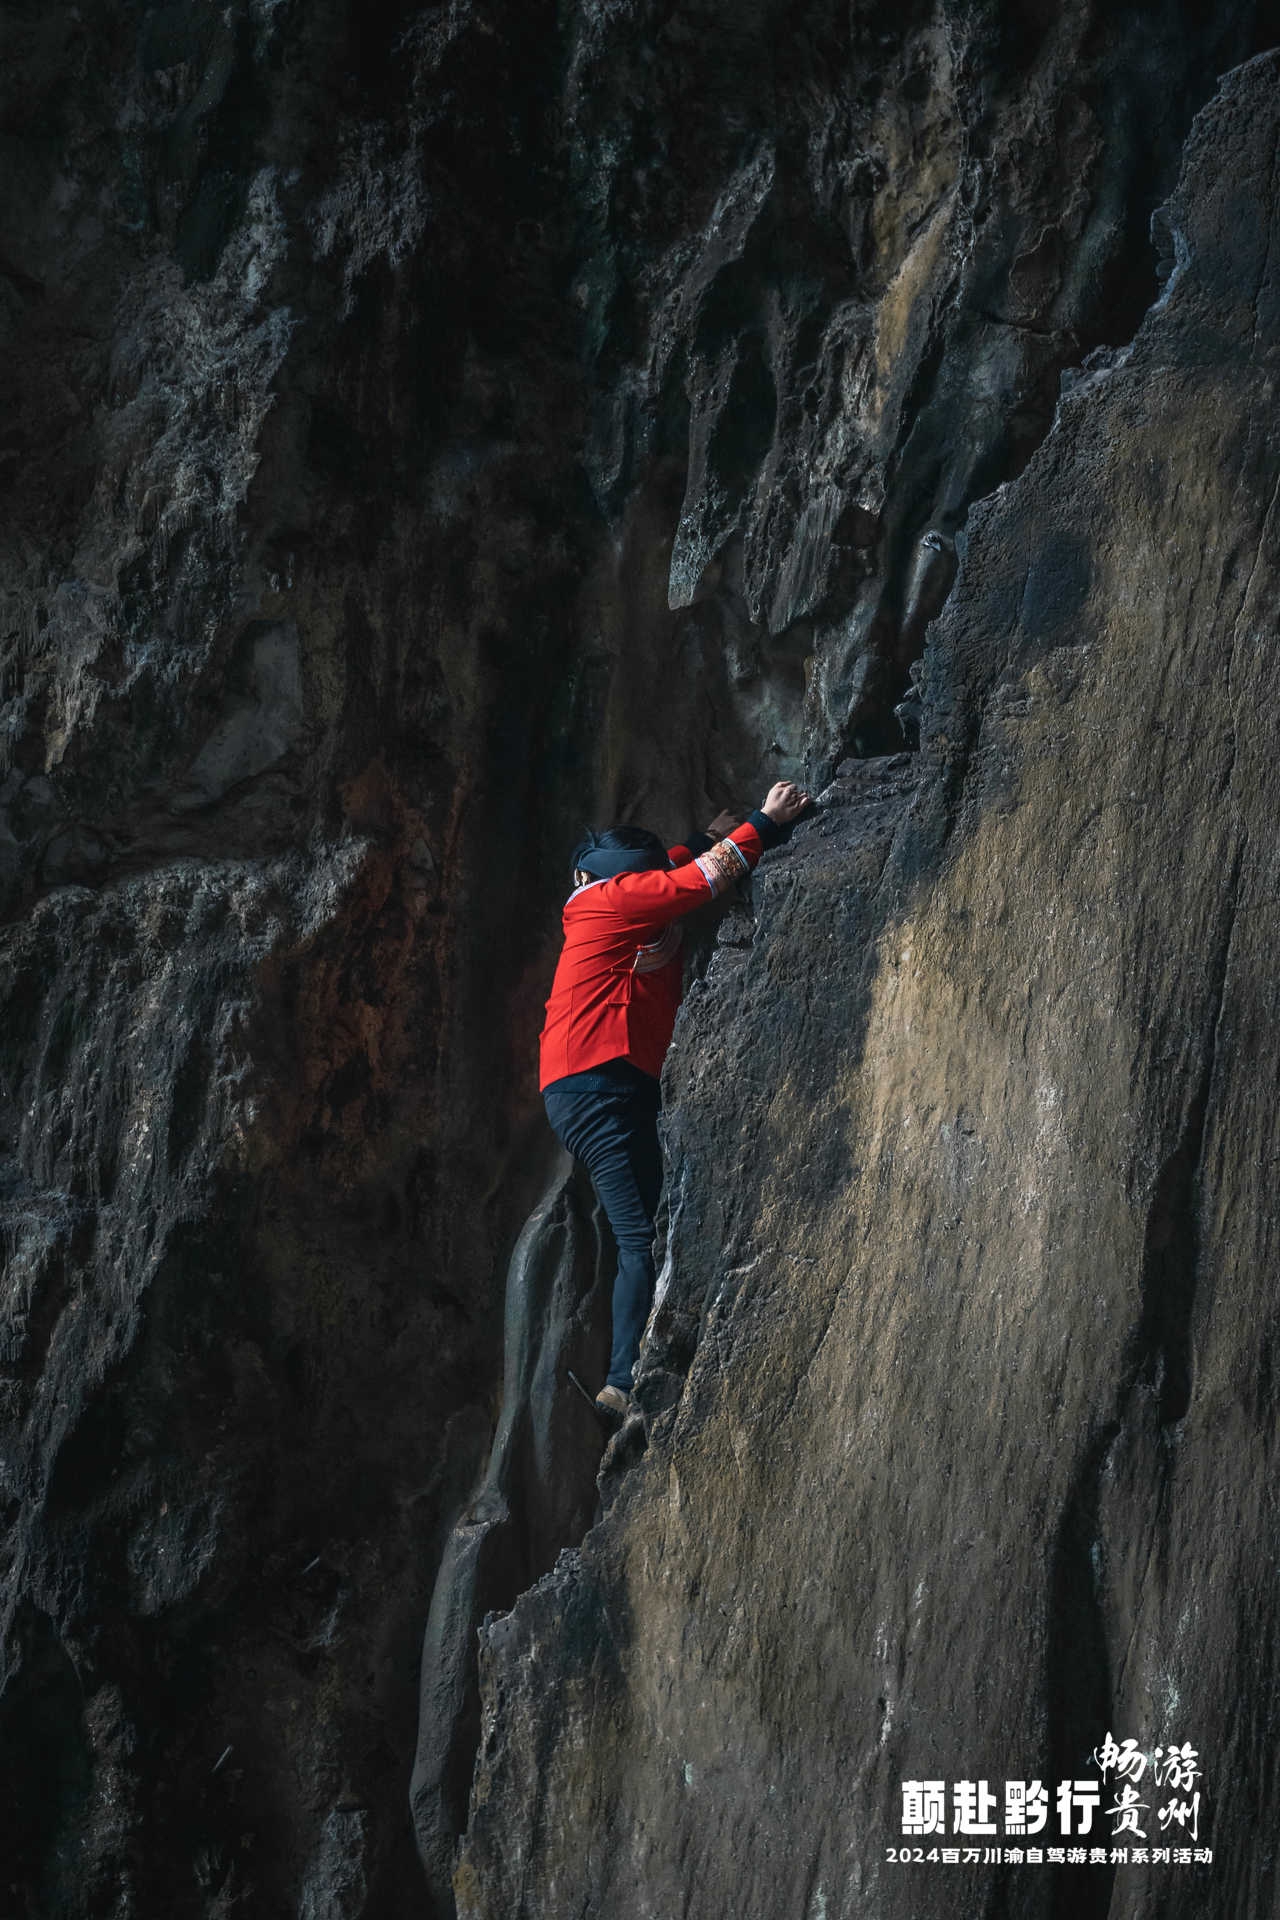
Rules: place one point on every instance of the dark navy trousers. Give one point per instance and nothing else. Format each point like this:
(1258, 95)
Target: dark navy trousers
(608, 1119)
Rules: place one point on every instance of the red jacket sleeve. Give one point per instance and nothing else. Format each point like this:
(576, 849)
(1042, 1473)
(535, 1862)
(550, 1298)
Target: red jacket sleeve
(643, 900)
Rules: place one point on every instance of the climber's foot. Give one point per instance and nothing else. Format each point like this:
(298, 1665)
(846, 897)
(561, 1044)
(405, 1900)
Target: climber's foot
(612, 1406)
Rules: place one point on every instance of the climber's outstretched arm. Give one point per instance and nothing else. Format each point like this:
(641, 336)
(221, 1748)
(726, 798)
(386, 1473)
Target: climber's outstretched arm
(644, 900)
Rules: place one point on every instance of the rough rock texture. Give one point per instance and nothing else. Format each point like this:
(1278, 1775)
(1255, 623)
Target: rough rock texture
(961, 1424)
(422, 428)
(279, 551)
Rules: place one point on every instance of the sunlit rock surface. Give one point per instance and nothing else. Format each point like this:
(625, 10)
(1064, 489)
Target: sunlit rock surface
(423, 431)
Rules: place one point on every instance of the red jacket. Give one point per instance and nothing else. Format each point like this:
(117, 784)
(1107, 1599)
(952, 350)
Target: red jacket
(620, 976)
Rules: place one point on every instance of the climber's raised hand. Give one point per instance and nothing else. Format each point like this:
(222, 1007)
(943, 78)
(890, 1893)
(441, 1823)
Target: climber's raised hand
(784, 802)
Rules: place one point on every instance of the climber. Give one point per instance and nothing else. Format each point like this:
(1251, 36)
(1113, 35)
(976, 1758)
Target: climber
(609, 1020)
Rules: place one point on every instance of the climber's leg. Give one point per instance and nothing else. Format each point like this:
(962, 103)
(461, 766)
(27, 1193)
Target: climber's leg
(629, 1180)
(608, 1119)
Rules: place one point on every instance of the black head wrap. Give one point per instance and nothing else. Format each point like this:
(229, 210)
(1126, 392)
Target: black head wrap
(620, 850)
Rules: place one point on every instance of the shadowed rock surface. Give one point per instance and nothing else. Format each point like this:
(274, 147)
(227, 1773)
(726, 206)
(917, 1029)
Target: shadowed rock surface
(537, 1493)
(423, 430)
(961, 1445)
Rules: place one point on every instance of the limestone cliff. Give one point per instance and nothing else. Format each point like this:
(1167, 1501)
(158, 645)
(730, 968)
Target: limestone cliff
(960, 1439)
(424, 429)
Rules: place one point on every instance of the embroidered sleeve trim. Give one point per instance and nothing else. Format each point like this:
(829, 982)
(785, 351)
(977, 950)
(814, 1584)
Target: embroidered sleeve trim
(722, 864)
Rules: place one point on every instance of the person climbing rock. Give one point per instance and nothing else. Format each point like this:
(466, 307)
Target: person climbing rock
(609, 1020)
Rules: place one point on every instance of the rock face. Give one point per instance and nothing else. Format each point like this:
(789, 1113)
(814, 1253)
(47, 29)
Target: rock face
(960, 1422)
(425, 429)
(281, 546)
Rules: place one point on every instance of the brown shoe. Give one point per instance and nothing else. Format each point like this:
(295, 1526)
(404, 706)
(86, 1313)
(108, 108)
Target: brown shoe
(612, 1405)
